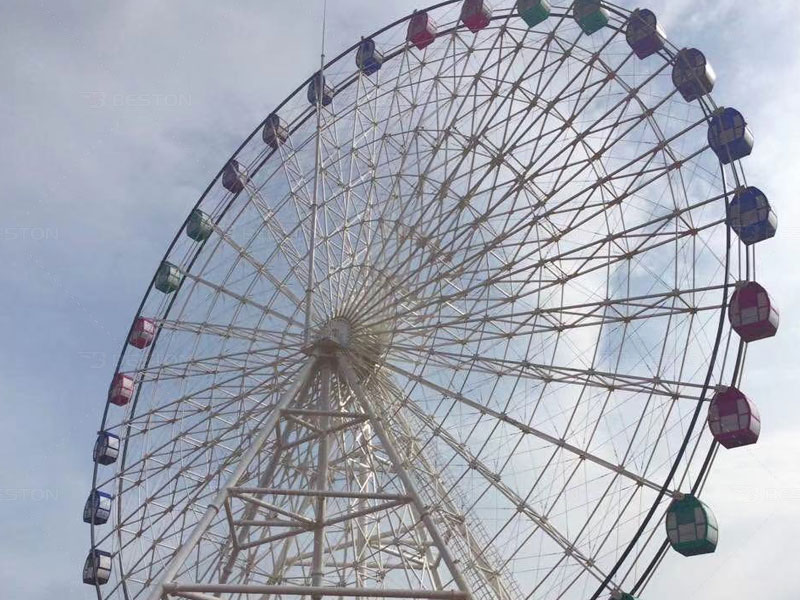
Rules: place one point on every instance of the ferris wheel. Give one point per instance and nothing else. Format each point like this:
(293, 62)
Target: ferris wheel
(463, 318)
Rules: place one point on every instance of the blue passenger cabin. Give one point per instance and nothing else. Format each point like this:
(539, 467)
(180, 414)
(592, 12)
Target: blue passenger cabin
(234, 176)
(590, 15)
(643, 33)
(168, 278)
(476, 14)
(533, 12)
(275, 132)
(751, 216)
(97, 508)
(691, 526)
(368, 59)
(729, 136)
(319, 89)
(106, 448)
(97, 568)
(199, 226)
(692, 74)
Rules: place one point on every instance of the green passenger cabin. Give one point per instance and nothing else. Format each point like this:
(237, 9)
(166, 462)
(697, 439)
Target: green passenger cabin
(533, 12)
(199, 226)
(168, 278)
(590, 15)
(691, 526)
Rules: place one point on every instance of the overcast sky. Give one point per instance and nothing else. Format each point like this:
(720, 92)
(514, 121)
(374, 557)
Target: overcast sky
(114, 117)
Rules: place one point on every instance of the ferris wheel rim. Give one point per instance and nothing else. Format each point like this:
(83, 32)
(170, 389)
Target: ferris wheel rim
(232, 200)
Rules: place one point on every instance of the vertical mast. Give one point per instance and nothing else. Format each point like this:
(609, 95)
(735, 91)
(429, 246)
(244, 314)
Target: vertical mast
(314, 203)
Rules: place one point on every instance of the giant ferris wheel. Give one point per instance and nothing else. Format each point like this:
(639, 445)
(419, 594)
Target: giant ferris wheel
(463, 318)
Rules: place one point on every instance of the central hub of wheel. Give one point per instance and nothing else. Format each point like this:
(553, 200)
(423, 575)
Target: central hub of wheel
(337, 331)
(364, 345)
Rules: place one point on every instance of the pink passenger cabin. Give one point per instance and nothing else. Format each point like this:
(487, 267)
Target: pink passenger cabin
(121, 390)
(475, 14)
(421, 30)
(752, 313)
(143, 333)
(733, 419)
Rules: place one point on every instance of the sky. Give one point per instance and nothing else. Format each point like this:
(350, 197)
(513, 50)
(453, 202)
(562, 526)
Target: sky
(114, 118)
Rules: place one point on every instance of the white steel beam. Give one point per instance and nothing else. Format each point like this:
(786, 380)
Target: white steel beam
(400, 467)
(185, 549)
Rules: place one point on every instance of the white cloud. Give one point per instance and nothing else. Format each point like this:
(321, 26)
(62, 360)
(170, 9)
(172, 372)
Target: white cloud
(98, 155)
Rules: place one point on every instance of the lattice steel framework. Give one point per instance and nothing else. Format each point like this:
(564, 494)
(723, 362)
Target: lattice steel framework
(520, 264)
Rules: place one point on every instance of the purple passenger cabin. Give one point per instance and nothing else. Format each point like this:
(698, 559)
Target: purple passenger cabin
(692, 74)
(106, 448)
(97, 568)
(319, 90)
(275, 132)
(97, 508)
(234, 177)
(643, 33)
(733, 419)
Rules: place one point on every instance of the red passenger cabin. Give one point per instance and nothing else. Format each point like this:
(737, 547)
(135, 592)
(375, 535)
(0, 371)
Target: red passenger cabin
(143, 333)
(121, 390)
(421, 30)
(475, 14)
(752, 313)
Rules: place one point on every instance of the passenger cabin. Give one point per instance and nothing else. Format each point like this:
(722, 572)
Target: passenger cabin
(421, 30)
(275, 132)
(691, 526)
(751, 216)
(620, 595)
(692, 74)
(121, 390)
(476, 14)
(643, 33)
(733, 419)
(97, 568)
(752, 313)
(97, 508)
(234, 176)
(533, 12)
(168, 278)
(106, 448)
(199, 226)
(143, 333)
(729, 136)
(368, 59)
(319, 89)
(590, 15)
